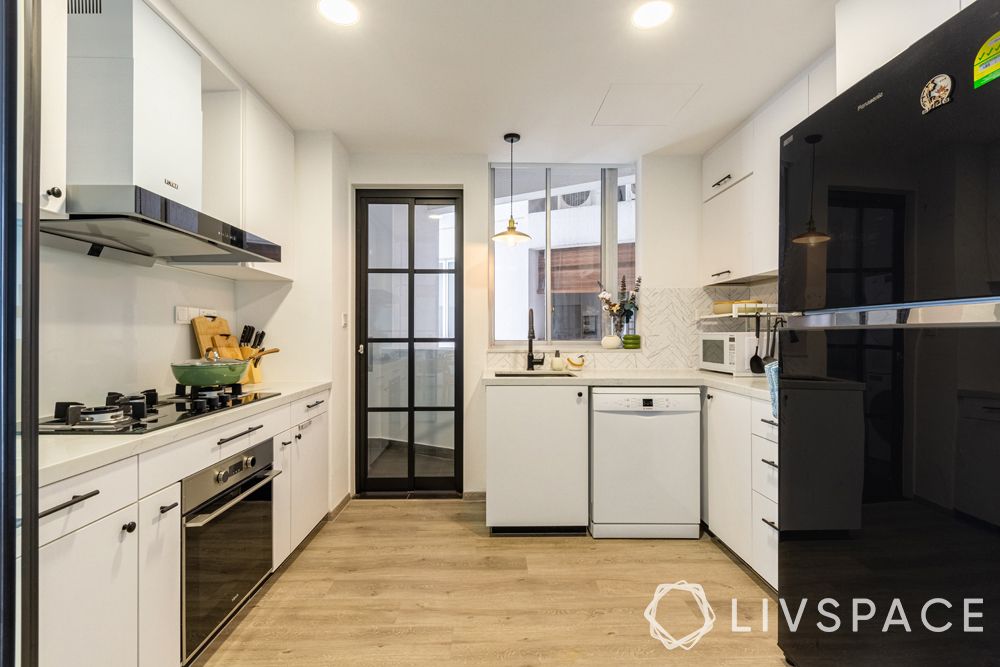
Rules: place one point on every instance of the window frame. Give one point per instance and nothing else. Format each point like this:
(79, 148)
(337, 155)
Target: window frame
(608, 254)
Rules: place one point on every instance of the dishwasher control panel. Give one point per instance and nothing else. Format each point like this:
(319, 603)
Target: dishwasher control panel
(652, 402)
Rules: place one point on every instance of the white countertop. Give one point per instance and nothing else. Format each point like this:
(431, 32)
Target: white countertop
(62, 456)
(754, 387)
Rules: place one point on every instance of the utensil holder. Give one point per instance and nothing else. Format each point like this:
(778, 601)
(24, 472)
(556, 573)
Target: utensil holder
(253, 374)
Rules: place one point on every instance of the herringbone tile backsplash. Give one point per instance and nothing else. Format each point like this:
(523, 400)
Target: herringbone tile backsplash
(668, 323)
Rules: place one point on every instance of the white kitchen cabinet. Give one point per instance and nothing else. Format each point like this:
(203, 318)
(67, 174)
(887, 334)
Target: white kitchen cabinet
(222, 155)
(823, 81)
(269, 181)
(537, 456)
(88, 594)
(727, 423)
(782, 114)
(310, 457)
(160, 578)
(726, 239)
(728, 162)
(870, 34)
(133, 103)
(52, 114)
(281, 490)
(764, 557)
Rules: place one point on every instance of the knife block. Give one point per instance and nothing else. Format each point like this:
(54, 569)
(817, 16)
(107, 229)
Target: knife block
(253, 374)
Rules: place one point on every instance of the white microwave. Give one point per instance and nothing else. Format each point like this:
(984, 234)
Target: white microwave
(728, 352)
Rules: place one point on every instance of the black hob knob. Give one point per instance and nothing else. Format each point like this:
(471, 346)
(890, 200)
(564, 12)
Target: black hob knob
(113, 398)
(152, 397)
(212, 402)
(138, 408)
(199, 405)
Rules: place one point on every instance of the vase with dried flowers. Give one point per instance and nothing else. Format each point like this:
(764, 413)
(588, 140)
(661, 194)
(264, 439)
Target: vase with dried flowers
(622, 310)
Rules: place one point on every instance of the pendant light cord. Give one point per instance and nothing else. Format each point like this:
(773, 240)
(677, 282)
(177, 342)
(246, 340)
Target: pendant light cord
(512, 180)
(812, 184)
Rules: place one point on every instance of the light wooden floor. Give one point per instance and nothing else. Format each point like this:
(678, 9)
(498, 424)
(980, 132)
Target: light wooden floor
(422, 583)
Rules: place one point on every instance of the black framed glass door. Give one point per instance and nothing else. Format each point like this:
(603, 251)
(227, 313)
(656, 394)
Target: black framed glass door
(409, 341)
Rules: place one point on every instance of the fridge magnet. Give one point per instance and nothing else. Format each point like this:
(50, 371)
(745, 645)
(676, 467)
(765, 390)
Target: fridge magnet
(987, 65)
(936, 93)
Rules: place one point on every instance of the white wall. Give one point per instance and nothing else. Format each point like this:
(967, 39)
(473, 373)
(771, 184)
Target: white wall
(669, 220)
(471, 174)
(303, 318)
(109, 326)
(870, 33)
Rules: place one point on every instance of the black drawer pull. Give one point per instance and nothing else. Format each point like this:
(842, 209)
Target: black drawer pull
(285, 444)
(720, 273)
(166, 508)
(69, 503)
(240, 435)
(770, 523)
(310, 406)
(727, 177)
(770, 422)
(770, 463)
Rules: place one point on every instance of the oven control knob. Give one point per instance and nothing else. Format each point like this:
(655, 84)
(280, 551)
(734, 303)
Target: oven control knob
(222, 477)
(249, 461)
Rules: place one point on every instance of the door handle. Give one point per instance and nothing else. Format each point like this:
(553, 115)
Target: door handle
(310, 406)
(770, 422)
(361, 349)
(285, 444)
(721, 273)
(727, 177)
(129, 527)
(770, 523)
(770, 463)
(241, 434)
(166, 508)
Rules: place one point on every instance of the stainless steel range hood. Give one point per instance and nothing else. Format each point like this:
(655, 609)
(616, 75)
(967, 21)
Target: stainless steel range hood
(116, 219)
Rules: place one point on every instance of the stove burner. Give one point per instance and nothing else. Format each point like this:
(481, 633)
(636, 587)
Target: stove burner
(104, 413)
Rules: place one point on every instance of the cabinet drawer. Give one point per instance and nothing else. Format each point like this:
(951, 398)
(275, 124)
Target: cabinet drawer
(164, 466)
(83, 499)
(765, 539)
(765, 467)
(762, 421)
(310, 406)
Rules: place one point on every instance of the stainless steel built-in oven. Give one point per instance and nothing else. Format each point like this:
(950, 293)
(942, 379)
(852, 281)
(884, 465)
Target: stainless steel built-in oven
(228, 511)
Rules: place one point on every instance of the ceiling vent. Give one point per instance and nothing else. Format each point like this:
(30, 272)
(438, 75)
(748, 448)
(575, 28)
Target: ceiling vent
(83, 6)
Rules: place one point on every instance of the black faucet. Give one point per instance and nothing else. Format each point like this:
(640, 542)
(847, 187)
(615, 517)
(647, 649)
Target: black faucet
(533, 361)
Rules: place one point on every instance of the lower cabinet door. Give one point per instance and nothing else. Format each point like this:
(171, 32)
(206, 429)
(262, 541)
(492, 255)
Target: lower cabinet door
(765, 538)
(160, 579)
(87, 594)
(310, 488)
(281, 490)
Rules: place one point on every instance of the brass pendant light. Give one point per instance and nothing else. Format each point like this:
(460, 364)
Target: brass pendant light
(510, 235)
(812, 237)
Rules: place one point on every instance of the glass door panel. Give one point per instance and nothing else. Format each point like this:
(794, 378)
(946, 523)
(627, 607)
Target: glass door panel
(409, 423)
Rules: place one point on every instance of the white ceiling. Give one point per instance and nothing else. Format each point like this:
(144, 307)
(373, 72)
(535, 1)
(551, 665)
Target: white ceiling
(574, 77)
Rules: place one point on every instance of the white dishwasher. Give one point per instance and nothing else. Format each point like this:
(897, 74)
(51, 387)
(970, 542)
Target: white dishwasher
(645, 478)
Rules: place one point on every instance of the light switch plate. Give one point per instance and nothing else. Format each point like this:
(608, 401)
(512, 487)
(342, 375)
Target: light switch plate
(343, 320)
(182, 315)
(208, 312)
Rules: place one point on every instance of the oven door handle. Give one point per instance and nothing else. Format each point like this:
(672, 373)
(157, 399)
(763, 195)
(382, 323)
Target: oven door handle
(205, 519)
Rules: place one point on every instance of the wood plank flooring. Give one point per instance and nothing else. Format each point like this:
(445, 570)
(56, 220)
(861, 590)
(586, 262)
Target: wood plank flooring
(421, 582)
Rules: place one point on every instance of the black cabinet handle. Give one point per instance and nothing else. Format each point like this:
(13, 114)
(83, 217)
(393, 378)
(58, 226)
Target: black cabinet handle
(579, 394)
(770, 463)
(722, 180)
(770, 422)
(298, 436)
(54, 192)
(240, 435)
(720, 273)
(310, 406)
(770, 523)
(709, 397)
(166, 508)
(285, 444)
(129, 527)
(69, 503)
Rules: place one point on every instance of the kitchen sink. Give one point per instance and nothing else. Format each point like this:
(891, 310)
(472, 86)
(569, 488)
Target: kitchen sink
(538, 374)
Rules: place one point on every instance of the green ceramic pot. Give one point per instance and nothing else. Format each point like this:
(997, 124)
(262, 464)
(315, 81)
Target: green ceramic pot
(209, 371)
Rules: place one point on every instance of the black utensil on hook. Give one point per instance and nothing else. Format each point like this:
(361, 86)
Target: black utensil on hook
(756, 363)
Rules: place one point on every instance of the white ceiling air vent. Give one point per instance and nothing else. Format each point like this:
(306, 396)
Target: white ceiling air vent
(83, 6)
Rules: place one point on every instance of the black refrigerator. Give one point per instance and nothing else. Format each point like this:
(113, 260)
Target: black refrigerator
(889, 406)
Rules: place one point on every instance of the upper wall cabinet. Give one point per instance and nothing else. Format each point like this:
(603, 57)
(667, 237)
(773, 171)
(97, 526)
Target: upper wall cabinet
(741, 180)
(269, 187)
(133, 102)
(728, 163)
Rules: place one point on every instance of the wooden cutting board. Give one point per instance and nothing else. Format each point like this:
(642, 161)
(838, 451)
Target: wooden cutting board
(227, 346)
(207, 327)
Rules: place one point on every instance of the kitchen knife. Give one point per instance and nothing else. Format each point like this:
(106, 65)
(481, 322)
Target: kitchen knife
(260, 340)
(245, 336)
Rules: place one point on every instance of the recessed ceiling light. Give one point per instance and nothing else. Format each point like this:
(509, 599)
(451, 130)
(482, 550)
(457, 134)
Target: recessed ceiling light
(652, 14)
(341, 12)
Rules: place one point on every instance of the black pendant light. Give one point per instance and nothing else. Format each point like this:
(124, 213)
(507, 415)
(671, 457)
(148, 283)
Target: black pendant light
(812, 237)
(510, 235)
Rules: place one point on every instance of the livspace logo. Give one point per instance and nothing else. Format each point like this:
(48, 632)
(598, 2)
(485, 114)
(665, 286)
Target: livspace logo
(933, 615)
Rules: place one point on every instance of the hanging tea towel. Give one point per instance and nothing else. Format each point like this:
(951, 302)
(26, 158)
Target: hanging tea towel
(771, 370)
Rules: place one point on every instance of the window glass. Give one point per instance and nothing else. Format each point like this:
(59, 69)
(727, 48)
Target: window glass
(627, 194)
(519, 270)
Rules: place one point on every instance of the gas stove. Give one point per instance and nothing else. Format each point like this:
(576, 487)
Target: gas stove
(146, 411)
